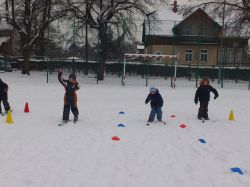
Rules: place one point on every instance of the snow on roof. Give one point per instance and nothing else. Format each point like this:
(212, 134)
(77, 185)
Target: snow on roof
(159, 27)
(4, 39)
(73, 58)
(4, 26)
(167, 20)
(166, 13)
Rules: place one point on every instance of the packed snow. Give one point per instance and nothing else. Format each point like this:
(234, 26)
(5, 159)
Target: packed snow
(36, 152)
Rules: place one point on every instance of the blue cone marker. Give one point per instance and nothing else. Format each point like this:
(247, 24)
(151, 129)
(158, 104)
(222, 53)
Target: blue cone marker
(202, 141)
(121, 125)
(237, 170)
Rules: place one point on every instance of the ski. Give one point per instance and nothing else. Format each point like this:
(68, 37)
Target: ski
(4, 113)
(204, 119)
(64, 123)
(163, 122)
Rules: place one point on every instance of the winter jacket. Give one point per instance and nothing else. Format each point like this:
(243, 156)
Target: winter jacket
(3, 90)
(203, 93)
(156, 99)
(70, 97)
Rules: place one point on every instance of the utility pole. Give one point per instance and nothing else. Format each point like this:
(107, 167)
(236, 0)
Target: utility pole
(221, 43)
(150, 50)
(86, 39)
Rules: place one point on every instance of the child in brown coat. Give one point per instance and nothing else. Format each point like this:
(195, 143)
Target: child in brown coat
(203, 95)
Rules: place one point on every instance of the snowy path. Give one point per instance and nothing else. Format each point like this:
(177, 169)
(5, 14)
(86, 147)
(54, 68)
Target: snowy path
(35, 152)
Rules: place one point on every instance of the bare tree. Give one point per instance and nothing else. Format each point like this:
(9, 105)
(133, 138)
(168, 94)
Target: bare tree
(99, 14)
(235, 12)
(31, 18)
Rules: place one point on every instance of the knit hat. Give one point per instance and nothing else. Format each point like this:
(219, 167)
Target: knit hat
(204, 79)
(152, 89)
(72, 76)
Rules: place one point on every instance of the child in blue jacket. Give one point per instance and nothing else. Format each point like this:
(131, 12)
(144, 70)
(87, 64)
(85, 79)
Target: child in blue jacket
(156, 103)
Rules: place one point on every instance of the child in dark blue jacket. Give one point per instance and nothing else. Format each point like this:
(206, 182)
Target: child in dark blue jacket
(156, 103)
(70, 97)
(4, 96)
(203, 95)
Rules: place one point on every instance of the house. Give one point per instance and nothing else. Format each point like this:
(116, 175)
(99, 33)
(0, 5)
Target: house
(9, 41)
(195, 40)
(140, 49)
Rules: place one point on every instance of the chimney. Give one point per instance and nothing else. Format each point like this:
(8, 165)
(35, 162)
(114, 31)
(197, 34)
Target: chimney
(174, 7)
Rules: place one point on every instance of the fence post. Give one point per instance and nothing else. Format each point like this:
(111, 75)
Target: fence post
(146, 73)
(47, 59)
(249, 79)
(172, 65)
(123, 53)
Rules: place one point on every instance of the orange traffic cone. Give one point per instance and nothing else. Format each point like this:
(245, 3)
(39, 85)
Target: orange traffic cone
(26, 108)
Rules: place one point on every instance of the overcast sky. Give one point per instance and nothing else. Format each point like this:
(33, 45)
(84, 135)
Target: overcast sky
(166, 13)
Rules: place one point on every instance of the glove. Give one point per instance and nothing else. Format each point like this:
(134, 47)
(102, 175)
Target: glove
(196, 102)
(215, 96)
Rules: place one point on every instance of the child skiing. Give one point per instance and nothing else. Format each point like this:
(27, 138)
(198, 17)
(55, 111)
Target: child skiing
(70, 97)
(203, 95)
(4, 96)
(156, 103)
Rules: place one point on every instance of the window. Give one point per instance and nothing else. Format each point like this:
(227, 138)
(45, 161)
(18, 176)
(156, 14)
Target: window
(203, 55)
(203, 30)
(158, 58)
(228, 56)
(188, 30)
(189, 55)
(231, 55)
(239, 55)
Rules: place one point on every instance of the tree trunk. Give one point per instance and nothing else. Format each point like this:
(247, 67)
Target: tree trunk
(102, 51)
(40, 47)
(26, 60)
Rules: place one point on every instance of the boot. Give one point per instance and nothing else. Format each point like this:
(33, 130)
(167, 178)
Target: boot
(75, 118)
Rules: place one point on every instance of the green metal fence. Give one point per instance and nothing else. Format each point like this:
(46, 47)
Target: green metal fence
(202, 49)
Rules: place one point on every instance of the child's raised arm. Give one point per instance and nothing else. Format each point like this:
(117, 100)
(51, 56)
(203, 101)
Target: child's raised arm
(61, 80)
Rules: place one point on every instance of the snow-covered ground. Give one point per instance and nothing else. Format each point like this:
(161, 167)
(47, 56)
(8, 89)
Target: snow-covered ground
(36, 152)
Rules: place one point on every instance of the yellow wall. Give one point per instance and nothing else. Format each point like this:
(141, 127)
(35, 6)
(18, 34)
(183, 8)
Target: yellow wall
(180, 50)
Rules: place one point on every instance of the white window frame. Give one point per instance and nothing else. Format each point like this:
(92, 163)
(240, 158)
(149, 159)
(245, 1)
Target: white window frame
(187, 57)
(201, 54)
(158, 59)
